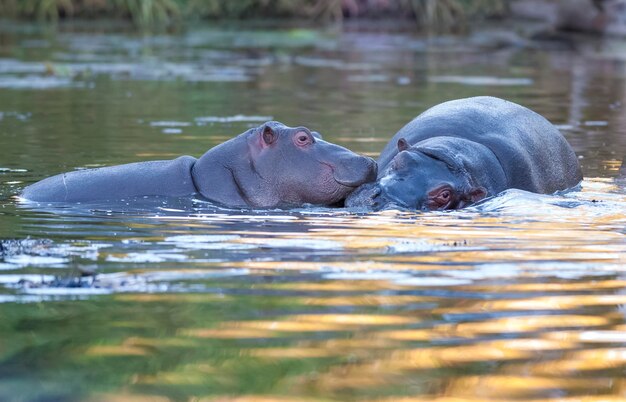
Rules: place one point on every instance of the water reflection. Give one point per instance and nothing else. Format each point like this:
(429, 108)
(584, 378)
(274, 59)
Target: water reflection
(469, 304)
(521, 297)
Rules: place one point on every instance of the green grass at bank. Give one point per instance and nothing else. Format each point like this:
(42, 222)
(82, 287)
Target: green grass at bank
(435, 14)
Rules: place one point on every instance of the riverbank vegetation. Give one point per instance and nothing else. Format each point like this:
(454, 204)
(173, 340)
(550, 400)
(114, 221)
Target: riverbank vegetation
(428, 14)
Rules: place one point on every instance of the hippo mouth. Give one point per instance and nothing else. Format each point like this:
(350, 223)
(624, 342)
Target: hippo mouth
(349, 179)
(348, 183)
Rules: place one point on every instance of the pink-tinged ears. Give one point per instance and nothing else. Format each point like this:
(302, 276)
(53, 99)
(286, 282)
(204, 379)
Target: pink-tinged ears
(268, 135)
(403, 145)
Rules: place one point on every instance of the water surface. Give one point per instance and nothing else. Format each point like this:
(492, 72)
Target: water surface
(521, 297)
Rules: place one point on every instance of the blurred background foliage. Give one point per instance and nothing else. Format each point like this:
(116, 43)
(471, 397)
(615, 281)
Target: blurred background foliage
(432, 14)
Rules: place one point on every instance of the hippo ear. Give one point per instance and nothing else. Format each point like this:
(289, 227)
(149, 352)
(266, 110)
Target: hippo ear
(403, 145)
(476, 194)
(269, 135)
(317, 135)
(471, 196)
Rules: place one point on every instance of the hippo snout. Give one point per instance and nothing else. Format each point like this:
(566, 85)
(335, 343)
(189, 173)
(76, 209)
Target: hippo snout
(372, 196)
(364, 196)
(372, 170)
(355, 171)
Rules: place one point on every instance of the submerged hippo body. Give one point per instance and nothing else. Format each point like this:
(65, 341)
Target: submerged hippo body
(461, 151)
(267, 166)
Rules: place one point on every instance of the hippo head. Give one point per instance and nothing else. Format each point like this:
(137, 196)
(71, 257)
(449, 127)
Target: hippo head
(422, 178)
(294, 166)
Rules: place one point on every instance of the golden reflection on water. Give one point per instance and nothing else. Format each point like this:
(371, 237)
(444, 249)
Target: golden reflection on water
(536, 312)
(393, 306)
(545, 356)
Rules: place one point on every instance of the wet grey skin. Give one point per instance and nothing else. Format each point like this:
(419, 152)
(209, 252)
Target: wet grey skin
(268, 166)
(462, 151)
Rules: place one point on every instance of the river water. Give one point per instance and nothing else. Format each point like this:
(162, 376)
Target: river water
(519, 298)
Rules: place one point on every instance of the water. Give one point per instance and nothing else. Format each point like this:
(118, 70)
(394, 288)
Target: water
(521, 297)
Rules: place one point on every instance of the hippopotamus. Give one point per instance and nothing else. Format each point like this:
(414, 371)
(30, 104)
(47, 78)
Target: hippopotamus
(461, 151)
(268, 166)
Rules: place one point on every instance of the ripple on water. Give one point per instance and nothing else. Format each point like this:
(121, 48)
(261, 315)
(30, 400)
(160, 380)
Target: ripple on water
(332, 63)
(64, 291)
(485, 272)
(208, 242)
(166, 123)
(417, 246)
(480, 81)
(5, 170)
(428, 281)
(33, 278)
(24, 260)
(232, 119)
(18, 116)
(367, 276)
(307, 244)
(186, 239)
(146, 257)
(37, 82)
(569, 205)
(21, 67)
(120, 282)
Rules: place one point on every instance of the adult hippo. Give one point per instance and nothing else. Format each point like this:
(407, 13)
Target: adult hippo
(267, 166)
(462, 151)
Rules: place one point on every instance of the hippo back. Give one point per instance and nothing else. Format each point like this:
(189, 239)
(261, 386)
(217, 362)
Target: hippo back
(167, 178)
(533, 153)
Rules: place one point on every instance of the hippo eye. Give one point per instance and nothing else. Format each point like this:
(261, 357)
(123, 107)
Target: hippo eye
(302, 139)
(441, 198)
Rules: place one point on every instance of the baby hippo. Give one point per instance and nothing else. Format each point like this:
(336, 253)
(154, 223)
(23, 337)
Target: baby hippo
(462, 151)
(268, 166)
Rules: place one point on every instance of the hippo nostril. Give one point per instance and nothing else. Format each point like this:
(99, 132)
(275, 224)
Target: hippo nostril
(376, 192)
